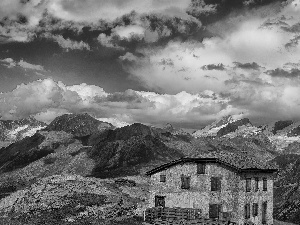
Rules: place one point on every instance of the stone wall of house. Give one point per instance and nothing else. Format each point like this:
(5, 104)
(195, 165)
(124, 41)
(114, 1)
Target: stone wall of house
(259, 197)
(199, 195)
(232, 197)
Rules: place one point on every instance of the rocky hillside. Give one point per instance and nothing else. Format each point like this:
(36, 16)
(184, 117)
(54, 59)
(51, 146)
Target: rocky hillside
(15, 130)
(287, 188)
(79, 125)
(71, 199)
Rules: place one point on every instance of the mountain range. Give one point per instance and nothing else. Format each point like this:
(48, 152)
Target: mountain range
(59, 160)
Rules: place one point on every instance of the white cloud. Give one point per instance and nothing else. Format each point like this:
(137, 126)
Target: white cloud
(27, 65)
(86, 92)
(180, 64)
(93, 10)
(33, 10)
(10, 63)
(68, 43)
(47, 99)
(126, 32)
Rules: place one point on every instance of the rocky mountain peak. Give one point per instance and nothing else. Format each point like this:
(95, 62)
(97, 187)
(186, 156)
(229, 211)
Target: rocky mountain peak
(233, 121)
(78, 124)
(168, 127)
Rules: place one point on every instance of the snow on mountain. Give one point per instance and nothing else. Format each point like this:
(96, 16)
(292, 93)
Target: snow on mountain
(244, 131)
(212, 129)
(114, 121)
(14, 130)
(282, 133)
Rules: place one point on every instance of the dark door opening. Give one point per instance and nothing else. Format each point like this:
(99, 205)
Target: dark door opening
(160, 201)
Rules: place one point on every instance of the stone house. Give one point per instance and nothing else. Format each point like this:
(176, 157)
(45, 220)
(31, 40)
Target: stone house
(220, 185)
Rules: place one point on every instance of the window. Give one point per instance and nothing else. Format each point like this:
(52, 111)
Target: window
(162, 178)
(264, 213)
(265, 184)
(185, 182)
(215, 184)
(214, 210)
(200, 168)
(248, 184)
(247, 211)
(159, 201)
(256, 184)
(255, 209)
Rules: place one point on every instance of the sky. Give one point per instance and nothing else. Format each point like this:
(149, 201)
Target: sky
(184, 62)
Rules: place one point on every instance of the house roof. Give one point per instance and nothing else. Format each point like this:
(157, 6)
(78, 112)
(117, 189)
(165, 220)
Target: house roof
(239, 162)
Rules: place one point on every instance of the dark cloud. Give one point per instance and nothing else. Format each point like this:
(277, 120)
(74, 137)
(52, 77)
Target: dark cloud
(219, 66)
(295, 28)
(209, 11)
(247, 66)
(276, 22)
(166, 62)
(293, 42)
(283, 73)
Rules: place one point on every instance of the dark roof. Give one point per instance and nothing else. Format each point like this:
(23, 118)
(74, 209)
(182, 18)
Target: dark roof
(239, 162)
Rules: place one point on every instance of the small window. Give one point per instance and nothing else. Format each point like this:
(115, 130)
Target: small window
(214, 211)
(264, 213)
(265, 188)
(248, 184)
(255, 209)
(185, 182)
(247, 211)
(162, 178)
(200, 168)
(256, 184)
(159, 201)
(215, 184)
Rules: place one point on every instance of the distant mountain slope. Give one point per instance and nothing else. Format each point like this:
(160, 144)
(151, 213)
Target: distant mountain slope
(124, 150)
(287, 189)
(30, 149)
(284, 135)
(78, 124)
(15, 130)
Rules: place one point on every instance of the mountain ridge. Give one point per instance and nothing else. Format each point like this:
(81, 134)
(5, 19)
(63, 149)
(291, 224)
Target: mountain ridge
(79, 146)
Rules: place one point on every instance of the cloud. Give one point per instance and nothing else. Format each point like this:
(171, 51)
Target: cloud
(30, 11)
(144, 29)
(27, 65)
(283, 73)
(239, 41)
(248, 66)
(93, 10)
(68, 43)
(219, 66)
(10, 63)
(46, 99)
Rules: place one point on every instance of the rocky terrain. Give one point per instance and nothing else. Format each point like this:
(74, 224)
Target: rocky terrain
(79, 170)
